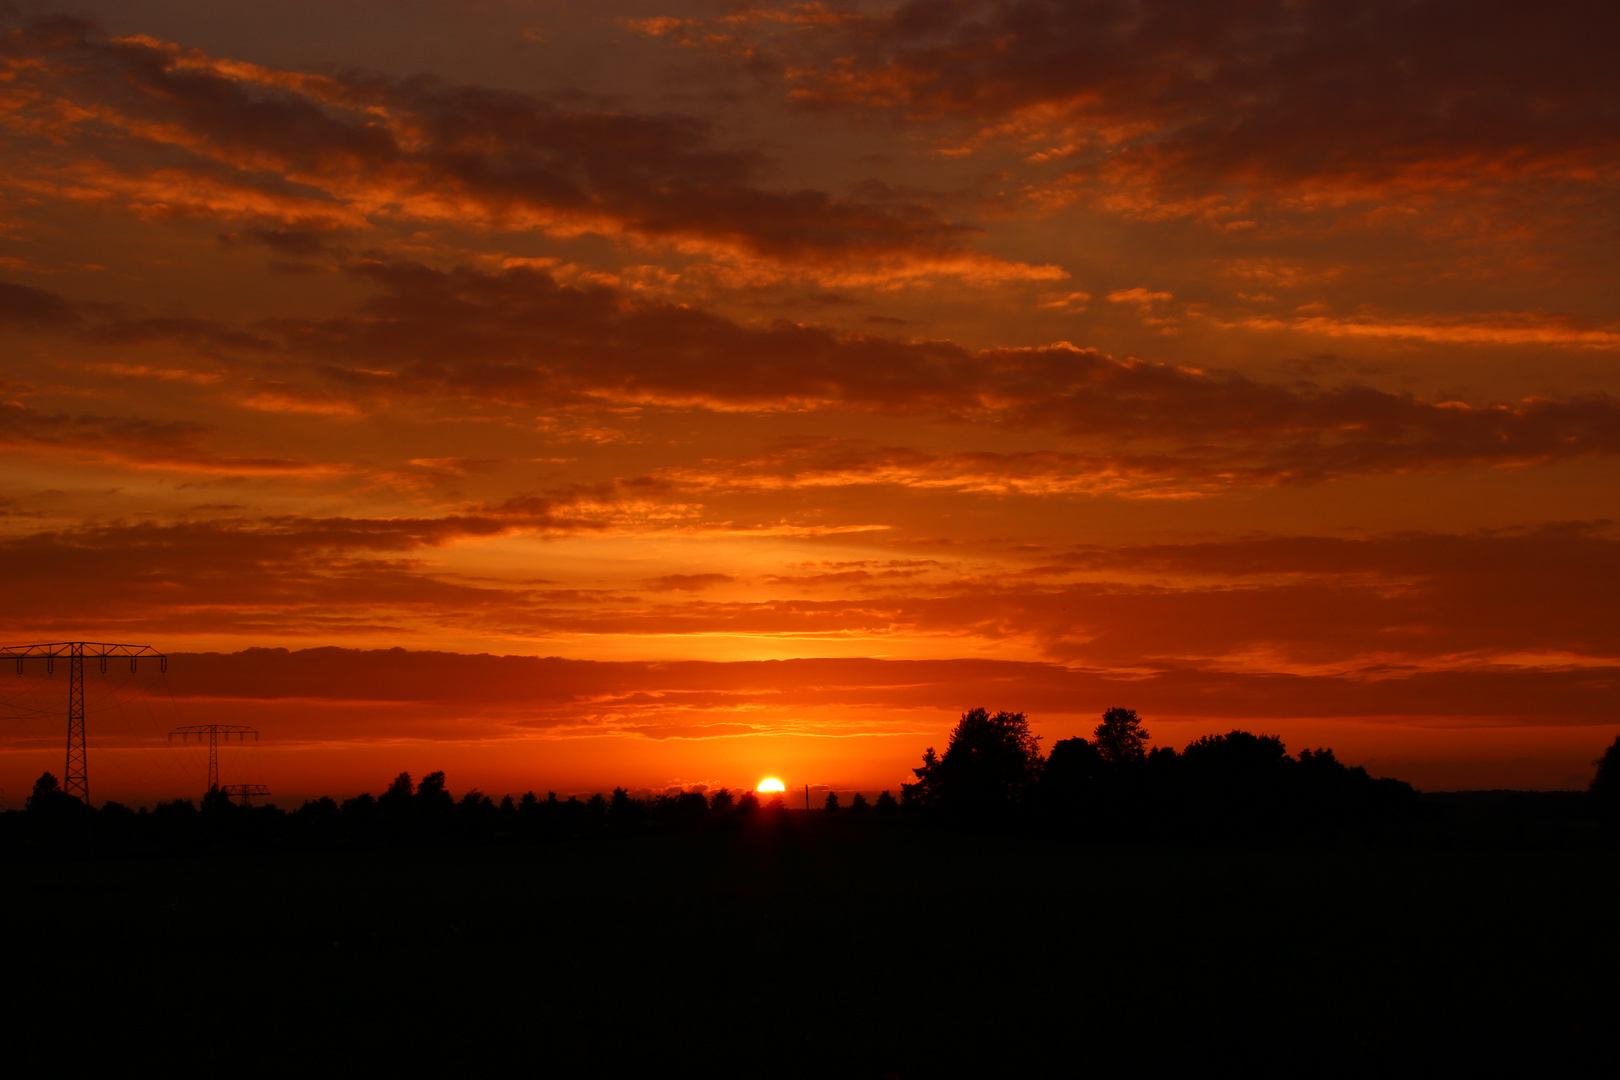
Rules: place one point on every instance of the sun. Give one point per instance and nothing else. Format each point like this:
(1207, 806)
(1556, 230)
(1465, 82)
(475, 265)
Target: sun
(770, 784)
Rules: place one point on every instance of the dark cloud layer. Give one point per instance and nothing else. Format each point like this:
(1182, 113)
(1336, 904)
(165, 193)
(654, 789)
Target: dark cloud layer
(548, 691)
(166, 444)
(1272, 91)
(520, 336)
(281, 574)
(23, 307)
(177, 131)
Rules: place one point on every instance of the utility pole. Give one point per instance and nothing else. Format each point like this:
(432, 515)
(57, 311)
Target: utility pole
(214, 731)
(76, 777)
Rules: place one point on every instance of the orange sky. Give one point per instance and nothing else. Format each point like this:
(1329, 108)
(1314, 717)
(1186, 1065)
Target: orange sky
(797, 378)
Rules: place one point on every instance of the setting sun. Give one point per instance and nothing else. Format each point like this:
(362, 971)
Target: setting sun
(771, 785)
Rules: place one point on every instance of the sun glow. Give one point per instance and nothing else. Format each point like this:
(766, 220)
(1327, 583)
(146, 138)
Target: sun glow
(770, 784)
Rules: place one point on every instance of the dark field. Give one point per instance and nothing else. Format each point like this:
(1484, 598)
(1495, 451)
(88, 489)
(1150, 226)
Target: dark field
(838, 947)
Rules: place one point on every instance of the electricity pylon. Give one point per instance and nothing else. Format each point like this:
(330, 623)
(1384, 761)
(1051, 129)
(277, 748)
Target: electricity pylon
(76, 777)
(245, 792)
(214, 731)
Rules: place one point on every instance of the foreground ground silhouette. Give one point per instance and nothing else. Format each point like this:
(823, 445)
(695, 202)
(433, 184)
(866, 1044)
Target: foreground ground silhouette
(1008, 934)
(816, 944)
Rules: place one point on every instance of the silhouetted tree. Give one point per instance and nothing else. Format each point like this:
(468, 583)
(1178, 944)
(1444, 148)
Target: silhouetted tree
(722, 802)
(689, 808)
(1070, 777)
(921, 794)
(1237, 784)
(747, 803)
(1605, 787)
(433, 802)
(885, 805)
(991, 766)
(51, 808)
(623, 811)
(359, 812)
(395, 802)
(46, 789)
(571, 814)
(117, 823)
(831, 805)
(49, 801)
(218, 804)
(475, 813)
(1331, 797)
(319, 815)
(858, 804)
(1120, 738)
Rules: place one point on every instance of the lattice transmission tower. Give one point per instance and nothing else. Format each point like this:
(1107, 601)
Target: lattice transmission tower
(76, 777)
(214, 731)
(245, 792)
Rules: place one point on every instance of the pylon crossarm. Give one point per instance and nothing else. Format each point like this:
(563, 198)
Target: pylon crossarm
(86, 648)
(82, 650)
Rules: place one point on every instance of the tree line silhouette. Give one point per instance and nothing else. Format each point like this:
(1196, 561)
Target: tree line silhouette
(1237, 787)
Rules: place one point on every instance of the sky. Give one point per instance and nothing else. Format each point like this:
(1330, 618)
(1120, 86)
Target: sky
(671, 394)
